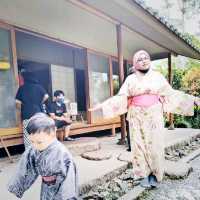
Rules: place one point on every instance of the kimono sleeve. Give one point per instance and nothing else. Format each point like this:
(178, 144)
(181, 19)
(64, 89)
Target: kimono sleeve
(69, 180)
(116, 105)
(25, 174)
(176, 101)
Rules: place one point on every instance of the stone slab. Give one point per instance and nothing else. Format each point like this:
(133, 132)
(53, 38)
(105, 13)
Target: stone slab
(126, 157)
(177, 170)
(82, 145)
(191, 156)
(133, 194)
(97, 155)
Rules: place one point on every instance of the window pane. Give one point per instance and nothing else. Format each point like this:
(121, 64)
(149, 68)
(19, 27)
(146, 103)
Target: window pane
(7, 82)
(115, 77)
(129, 69)
(63, 79)
(99, 80)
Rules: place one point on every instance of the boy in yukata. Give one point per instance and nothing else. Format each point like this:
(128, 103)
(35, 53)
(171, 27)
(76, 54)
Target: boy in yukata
(48, 158)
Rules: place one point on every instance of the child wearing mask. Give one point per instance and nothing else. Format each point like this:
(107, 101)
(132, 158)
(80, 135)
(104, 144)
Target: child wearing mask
(58, 113)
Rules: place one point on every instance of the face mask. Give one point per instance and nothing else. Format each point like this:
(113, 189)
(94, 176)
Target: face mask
(60, 100)
(144, 71)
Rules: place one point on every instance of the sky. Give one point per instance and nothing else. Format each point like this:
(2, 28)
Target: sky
(191, 25)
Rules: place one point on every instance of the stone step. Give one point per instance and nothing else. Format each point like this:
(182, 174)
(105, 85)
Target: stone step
(133, 194)
(174, 170)
(177, 170)
(83, 145)
(97, 155)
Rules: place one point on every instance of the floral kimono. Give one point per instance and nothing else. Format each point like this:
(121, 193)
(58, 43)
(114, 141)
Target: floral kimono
(56, 168)
(146, 123)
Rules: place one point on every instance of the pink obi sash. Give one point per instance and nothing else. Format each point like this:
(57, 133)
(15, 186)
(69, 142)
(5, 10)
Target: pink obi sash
(144, 100)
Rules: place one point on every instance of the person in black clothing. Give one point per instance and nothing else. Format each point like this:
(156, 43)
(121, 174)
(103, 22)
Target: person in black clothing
(58, 112)
(29, 98)
(130, 71)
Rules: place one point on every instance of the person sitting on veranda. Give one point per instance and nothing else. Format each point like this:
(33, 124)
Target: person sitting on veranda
(58, 112)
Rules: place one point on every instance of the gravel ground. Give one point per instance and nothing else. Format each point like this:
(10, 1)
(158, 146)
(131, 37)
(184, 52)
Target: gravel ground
(187, 189)
(182, 151)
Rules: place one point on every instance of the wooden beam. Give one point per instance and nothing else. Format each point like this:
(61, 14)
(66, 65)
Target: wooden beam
(121, 77)
(120, 53)
(89, 129)
(171, 116)
(15, 70)
(111, 76)
(170, 69)
(87, 89)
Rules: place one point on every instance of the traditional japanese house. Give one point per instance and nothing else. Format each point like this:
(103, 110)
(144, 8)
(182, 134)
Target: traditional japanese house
(83, 47)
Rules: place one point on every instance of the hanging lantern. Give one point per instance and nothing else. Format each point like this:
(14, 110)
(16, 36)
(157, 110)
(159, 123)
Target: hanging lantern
(4, 65)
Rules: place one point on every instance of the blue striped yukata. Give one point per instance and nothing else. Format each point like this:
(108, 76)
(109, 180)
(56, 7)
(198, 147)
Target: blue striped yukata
(56, 168)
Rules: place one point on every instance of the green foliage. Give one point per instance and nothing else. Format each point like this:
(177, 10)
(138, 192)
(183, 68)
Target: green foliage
(194, 120)
(192, 39)
(177, 76)
(181, 122)
(187, 79)
(191, 80)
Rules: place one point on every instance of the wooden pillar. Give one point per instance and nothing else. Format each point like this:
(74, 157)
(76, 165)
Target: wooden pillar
(87, 89)
(171, 117)
(121, 78)
(110, 76)
(15, 70)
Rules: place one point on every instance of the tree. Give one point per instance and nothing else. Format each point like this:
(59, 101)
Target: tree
(168, 6)
(188, 8)
(191, 79)
(194, 40)
(177, 76)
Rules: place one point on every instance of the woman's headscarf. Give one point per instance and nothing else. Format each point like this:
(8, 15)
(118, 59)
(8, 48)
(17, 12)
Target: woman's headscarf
(136, 56)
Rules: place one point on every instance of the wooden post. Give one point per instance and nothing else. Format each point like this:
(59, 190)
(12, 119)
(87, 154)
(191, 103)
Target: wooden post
(15, 71)
(111, 76)
(87, 89)
(171, 117)
(121, 78)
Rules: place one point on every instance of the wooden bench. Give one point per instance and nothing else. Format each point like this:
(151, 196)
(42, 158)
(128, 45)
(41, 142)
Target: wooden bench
(10, 137)
(80, 128)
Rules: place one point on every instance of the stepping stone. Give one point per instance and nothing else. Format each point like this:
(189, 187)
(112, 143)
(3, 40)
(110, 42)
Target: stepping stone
(133, 194)
(126, 157)
(97, 155)
(177, 170)
(82, 145)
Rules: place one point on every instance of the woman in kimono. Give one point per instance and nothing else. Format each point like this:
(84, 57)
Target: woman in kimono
(147, 94)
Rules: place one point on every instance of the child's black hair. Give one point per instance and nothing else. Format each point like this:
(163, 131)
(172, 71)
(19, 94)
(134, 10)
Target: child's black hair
(40, 122)
(58, 93)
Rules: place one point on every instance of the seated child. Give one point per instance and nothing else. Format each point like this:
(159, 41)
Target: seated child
(48, 158)
(58, 112)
